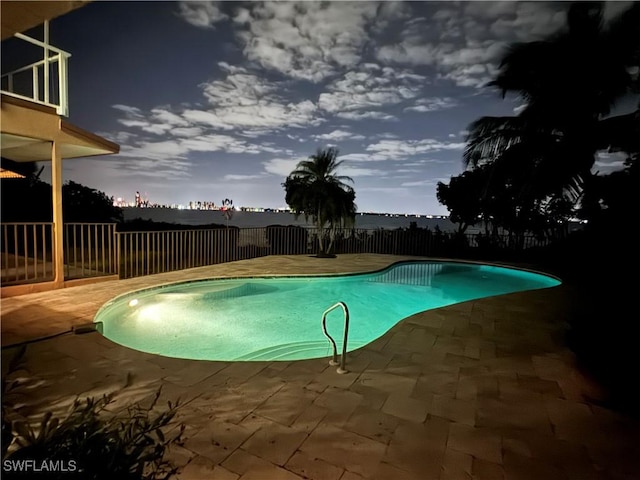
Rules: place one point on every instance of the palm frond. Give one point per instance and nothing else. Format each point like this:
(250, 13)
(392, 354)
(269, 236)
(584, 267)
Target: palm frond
(489, 137)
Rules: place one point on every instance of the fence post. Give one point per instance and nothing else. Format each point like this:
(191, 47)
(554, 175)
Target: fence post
(116, 239)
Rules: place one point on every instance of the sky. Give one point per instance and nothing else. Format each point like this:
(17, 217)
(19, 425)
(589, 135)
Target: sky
(214, 100)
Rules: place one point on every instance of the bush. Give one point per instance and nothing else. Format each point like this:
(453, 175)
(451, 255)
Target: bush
(90, 443)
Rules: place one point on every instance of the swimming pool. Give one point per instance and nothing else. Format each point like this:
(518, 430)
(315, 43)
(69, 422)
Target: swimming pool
(278, 318)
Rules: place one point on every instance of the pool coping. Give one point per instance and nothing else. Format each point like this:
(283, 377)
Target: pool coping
(99, 324)
(331, 275)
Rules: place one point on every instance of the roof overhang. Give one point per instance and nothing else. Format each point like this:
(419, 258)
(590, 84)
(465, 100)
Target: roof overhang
(17, 16)
(28, 149)
(28, 131)
(4, 173)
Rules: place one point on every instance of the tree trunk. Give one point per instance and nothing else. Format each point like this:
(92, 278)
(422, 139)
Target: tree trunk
(330, 241)
(320, 235)
(320, 223)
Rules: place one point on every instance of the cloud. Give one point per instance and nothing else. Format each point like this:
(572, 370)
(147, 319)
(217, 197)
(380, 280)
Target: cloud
(245, 100)
(367, 89)
(464, 41)
(240, 101)
(158, 122)
(432, 104)
(281, 166)
(187, 132)
(127, 109)
(490, 10)
(233, 177)
(388, 12)
(529, 21)
(131, 161)
(170, 157)
(362, 157)
(408, 52)
(338, 135)
(162, 115)
(470, 65)
(420, 183)
(389, 190)
(474, 76)
(351, 171)
(374, 115)
(385, 135)
(284, 166)
(204, 14)
(424, 161)
(305, 40)
(401, 149)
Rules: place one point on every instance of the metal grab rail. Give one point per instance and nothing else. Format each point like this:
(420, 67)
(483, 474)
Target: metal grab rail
(334, 360)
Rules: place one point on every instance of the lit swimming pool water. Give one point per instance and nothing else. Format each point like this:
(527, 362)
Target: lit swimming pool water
(279, 318)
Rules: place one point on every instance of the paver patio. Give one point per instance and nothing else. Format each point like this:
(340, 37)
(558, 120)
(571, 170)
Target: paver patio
(484, 389)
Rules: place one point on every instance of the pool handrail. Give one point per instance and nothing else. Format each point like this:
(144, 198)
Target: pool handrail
(334, 361)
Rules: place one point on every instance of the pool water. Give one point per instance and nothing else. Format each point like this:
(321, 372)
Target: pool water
(279, 318)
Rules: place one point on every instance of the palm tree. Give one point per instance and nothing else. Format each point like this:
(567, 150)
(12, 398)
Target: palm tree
(569, 84)
(315, 190)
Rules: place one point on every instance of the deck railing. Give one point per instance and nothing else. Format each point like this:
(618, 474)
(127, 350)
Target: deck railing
(44, 81)
(26, 252)
(89, 250)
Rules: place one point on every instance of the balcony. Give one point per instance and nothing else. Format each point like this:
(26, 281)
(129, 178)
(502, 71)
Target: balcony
(44, 81)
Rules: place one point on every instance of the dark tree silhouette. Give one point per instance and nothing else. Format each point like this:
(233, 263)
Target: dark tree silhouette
(461, 196)
(84, 204)
(569, 84)
(316, 191)
(27, 169)
(29, 200)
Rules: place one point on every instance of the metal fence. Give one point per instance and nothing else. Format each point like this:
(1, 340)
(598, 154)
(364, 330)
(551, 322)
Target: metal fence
(146, 253)
(97, 249)
(27, 251)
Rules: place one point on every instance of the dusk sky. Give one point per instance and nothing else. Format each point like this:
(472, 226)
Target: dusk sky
(213, 100)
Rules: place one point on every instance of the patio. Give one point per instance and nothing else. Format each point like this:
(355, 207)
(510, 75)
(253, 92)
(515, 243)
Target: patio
(480, 390)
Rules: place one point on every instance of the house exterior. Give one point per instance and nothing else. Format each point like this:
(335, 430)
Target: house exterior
(33, 123)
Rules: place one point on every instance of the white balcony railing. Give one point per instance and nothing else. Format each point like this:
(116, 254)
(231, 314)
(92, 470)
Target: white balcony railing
(44, 81)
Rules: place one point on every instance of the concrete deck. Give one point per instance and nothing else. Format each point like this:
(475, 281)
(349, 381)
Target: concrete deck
(485, 389)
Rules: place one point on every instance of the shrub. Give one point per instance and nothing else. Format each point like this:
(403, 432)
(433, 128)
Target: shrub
(91, 443)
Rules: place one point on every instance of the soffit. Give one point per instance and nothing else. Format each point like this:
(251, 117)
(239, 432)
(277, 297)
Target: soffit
(26, 149)
(17, 17)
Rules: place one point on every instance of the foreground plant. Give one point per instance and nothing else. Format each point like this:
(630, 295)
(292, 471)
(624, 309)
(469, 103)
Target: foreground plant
(91, 443)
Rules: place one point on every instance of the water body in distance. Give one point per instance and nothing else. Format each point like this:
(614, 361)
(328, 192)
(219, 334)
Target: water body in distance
(263, 219)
